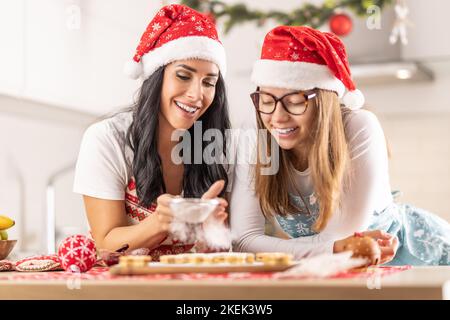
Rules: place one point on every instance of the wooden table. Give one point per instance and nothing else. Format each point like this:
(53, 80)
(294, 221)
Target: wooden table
(416, 283)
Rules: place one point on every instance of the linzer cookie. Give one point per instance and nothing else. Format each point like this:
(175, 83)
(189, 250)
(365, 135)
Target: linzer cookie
(274, 258)
(174, 258)
(134, 261)
(168, 258)
(239, 257)
(209, 258)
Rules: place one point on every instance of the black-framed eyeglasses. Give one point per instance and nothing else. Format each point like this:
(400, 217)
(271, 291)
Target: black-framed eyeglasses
(294, 103)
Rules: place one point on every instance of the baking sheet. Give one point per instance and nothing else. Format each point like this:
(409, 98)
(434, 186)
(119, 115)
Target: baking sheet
(165, 268)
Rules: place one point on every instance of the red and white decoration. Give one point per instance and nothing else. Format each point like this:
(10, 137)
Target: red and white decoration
(6, 265)
(177, 32)
(77, 253)
(38, 263)
(341, 24)
(302, 58)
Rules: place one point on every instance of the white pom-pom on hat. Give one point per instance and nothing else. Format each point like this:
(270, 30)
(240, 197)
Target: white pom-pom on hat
(353, 99)
(133, 69)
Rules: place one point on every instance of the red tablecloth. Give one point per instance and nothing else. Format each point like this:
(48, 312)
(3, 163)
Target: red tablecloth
(102, 273)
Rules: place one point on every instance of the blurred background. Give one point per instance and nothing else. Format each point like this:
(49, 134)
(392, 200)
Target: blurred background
(61, 69)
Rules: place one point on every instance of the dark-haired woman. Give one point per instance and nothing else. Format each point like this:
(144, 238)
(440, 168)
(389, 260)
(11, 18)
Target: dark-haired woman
(125, 170)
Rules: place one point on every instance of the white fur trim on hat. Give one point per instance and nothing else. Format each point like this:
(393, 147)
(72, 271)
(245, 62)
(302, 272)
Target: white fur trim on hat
(191, 47)
(295, 75)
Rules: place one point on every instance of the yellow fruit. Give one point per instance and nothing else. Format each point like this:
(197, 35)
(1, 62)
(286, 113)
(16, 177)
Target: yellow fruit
(3, 235)
(6, 223)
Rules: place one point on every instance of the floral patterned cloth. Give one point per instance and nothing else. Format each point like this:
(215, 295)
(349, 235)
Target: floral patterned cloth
(424, 238)
(300, 225)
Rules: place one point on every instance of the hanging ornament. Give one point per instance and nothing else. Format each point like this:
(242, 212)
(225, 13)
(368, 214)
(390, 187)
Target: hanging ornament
(341, 24)
(309, 13)
(400, 24)
(77, 253)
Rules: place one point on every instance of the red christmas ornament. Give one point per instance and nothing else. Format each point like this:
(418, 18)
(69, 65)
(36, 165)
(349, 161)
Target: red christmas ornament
(341, 24)
(77, 253)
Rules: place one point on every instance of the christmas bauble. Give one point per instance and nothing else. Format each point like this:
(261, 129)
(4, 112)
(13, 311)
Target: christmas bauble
(77, 253)
(341, 24)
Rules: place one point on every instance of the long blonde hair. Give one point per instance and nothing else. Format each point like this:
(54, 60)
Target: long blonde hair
(328, 159)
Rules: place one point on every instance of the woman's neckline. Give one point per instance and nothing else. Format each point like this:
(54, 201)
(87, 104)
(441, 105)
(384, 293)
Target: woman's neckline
(302, 173)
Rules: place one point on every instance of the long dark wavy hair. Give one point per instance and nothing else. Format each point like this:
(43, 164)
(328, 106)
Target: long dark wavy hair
(142, 138)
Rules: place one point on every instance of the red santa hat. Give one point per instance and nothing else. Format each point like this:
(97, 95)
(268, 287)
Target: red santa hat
(176, 32)
(302, 58)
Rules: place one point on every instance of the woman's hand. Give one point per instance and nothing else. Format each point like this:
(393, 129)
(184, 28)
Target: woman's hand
(162, 217)
(219, 214)
(387, 243)
(214, 230)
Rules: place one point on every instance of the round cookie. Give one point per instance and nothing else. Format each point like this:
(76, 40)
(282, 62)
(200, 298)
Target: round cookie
(134, 261)
(364, 247)
(274, 258)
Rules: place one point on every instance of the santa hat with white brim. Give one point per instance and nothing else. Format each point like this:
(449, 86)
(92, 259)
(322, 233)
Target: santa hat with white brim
(177, 32)
(302, 58)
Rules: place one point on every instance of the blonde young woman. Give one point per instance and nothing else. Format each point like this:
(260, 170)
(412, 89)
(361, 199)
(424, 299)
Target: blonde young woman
(333, 178)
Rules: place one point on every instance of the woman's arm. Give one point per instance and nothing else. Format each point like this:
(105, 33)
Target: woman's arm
(108, 223)
(110, 229)
(248, 228)
(101, 177)
(248, 224)
(369, 189)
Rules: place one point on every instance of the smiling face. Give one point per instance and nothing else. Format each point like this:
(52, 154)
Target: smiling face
(290, 131)
(187, 92)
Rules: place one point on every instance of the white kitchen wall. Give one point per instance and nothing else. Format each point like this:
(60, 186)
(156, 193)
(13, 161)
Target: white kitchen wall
(35, 145)
(50, 58)
(420, 158)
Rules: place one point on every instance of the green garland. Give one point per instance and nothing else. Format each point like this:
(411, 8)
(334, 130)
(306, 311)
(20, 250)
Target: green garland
(308, 14)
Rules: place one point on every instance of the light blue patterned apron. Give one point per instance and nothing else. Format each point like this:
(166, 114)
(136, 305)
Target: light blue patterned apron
(424, 238)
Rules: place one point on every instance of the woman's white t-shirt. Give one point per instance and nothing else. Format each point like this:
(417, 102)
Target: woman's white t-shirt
(103, 167)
